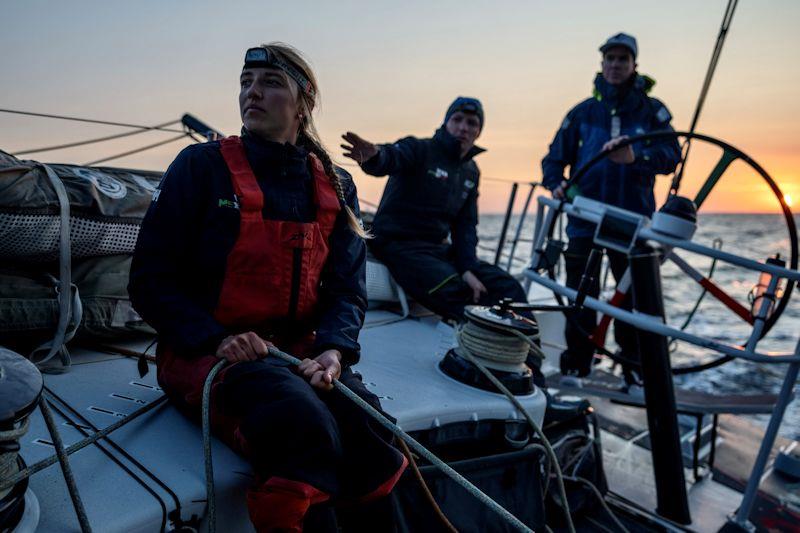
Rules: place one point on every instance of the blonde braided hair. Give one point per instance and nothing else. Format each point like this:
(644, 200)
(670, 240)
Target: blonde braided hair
(308, 137)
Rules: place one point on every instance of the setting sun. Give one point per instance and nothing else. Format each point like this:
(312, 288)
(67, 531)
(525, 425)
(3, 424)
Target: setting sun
(787, 199)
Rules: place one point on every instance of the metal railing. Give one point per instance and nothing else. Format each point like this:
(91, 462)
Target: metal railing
(655, 324)
(501, 241)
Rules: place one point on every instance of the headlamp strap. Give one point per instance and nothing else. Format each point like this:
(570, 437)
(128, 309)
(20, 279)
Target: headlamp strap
(262, 58)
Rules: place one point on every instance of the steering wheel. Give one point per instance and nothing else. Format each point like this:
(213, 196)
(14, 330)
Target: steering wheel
(729, 155)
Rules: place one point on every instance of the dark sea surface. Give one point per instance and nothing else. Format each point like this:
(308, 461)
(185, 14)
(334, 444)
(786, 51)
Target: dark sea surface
(753, 236)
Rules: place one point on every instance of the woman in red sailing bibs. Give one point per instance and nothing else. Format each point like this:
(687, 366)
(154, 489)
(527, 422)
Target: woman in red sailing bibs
(252, 241)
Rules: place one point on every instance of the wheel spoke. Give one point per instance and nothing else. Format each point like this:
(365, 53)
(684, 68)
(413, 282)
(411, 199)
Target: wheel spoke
(722, 165)
(712, 288)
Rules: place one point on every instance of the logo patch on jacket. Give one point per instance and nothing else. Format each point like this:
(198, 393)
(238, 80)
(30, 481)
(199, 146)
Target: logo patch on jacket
(233, 204)
(438, 173)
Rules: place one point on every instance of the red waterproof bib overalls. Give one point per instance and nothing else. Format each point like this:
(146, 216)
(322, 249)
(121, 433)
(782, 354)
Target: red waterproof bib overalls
(272, 273)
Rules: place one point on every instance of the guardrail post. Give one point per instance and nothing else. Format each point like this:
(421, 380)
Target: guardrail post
(507, 218)
(519, 226)
(785, 396)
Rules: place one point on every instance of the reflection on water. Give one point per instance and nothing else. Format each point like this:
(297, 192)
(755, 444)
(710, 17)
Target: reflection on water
(753, 236)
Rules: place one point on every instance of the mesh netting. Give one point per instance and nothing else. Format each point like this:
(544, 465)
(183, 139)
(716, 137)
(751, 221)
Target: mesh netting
(35, 237)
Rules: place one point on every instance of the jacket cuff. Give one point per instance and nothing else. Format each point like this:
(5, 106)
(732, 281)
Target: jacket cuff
(350, 355)
(201, 347)
(552, 183)
(468, 264)
(374, 163)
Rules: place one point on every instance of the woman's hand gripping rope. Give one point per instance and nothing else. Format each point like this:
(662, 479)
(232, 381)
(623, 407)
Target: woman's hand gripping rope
(399, 433)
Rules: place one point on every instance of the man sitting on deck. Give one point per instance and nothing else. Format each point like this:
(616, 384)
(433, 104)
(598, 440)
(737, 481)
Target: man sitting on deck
(432, 193)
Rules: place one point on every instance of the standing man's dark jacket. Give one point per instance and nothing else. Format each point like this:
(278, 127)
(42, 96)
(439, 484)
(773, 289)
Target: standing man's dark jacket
(432, 192)
(611, 112)
(177, 271)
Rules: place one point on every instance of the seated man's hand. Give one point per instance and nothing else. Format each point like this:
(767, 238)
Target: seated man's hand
(560, 191)
(475, 284)
(359, 150)
(243, 347)
(623, 156)
(322, 370)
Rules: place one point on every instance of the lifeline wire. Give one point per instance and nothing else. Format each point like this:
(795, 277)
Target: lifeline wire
(95, 140)
(88, 120)
(137, 150)
(512, 520)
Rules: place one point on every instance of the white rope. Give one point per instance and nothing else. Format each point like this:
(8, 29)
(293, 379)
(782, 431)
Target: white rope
(502, 513)
(510, 349)
(468, 333)
(8, 460)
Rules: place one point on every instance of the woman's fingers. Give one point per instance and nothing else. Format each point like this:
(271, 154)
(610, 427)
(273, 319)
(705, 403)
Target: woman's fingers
(259, 346)
(243, 347)
(322, 380)
(308, 367)
(245, 344)
(233, 353)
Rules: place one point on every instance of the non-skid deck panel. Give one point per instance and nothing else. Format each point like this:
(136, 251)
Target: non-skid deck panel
(399, 363)
(164, 441)
(739, 443)
(606, 385)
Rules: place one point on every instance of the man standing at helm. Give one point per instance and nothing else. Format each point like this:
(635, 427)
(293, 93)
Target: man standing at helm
(619, 107)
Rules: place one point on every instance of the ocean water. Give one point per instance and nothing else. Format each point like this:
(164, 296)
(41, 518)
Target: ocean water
(753, 236)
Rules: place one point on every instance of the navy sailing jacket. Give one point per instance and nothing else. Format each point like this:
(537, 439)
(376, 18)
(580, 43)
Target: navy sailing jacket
(432, 192)
(588, 126)
(191, 227)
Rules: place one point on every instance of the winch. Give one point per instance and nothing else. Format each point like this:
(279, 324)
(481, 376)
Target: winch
(500, 338)
(20, 390)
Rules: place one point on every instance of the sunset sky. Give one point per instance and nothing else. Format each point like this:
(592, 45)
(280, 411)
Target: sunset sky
(389, 69)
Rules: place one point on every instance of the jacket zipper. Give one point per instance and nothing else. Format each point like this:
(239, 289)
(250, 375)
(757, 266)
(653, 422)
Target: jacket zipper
(297, 268)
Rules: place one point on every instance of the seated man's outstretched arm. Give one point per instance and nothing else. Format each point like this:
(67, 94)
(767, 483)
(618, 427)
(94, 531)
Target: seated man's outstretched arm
(382, 159)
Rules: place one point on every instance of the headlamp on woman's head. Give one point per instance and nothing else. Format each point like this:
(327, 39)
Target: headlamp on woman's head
(262, 58)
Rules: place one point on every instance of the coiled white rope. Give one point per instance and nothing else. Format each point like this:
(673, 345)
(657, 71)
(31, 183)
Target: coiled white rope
(8, 459)
(510, 349)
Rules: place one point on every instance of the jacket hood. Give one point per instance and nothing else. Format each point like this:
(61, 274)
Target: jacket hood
(603, 90)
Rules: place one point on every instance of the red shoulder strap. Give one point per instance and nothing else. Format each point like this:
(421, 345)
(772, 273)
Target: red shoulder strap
(244, 181)
(328, 206)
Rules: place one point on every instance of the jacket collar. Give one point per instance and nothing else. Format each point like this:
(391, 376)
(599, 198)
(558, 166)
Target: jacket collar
(638, 86)
(452, 147)
(269, 156)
